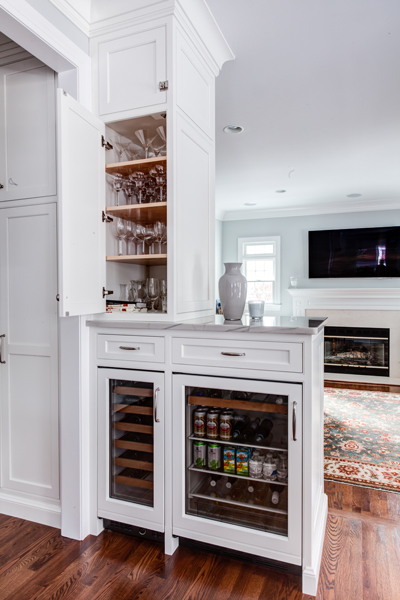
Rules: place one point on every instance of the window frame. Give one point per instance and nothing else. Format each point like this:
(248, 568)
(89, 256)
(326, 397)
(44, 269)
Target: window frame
(276, 240)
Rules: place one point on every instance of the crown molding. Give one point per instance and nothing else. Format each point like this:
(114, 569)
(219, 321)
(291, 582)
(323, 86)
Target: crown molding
(73, 15)
(342, 207)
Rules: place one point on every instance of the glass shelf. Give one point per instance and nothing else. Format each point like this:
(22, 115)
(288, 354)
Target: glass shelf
(215, 472)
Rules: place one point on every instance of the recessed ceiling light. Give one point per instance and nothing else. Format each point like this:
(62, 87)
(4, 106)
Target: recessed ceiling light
(250, 204)
(354, 195)
(280, 191)
(233, 129)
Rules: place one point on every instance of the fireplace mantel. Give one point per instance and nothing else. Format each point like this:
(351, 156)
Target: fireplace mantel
(344, 299)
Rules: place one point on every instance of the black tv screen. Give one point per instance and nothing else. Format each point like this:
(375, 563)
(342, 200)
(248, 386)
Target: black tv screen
(371, 252)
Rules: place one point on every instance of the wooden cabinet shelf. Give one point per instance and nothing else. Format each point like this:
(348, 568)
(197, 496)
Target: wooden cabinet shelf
(148, 260)
(144, 214)
(239, 404)
(144, 165)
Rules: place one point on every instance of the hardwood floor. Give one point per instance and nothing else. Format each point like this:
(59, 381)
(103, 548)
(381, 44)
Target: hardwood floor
(361, 561)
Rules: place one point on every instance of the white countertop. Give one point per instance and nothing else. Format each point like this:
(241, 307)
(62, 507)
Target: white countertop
(278, 324)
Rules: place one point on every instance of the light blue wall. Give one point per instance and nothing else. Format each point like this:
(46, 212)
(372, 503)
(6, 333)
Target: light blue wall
(294, 246)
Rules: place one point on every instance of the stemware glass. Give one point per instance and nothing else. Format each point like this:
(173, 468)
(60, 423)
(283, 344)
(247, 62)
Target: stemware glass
(153, 291)
(141, 235)
(118, 184)
(122, 147)
(130, 238)
(129, 189)
(119, 231)
(160, 181)
(159, 231)
(145, 140)
(163, 294)
(160, 149)
(139, 180)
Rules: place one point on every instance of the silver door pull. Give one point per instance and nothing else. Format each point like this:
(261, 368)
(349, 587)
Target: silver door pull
(233, 353)
(3, 362)
(128, 348)
(11, 182)
(156, 419)
(294, 421)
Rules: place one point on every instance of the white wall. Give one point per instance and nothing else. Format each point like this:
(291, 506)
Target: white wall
(294, 246)
(219, 264)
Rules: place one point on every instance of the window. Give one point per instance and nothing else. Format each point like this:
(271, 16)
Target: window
(261, 267)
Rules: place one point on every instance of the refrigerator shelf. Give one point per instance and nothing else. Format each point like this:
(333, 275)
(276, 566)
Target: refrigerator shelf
(230, 443)
(214, 472)
(238, 404)
(239, 504)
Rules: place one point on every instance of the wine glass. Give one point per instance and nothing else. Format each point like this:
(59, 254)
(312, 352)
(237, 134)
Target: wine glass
(153, 291)
(119, 232)
(118, 184)
(141, 236)
(159, 231)
(139, 180)
(163, 294)
(130, 238)
(122, 147)
(145, 140)
(150, 237)
(160, 181)
(129, 189)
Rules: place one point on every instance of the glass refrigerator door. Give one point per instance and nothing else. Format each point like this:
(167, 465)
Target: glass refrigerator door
(242, 459)
(131, 442)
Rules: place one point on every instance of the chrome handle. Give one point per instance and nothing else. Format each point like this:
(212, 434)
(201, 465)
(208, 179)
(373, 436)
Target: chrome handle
(3, 362)
(294, 421)
(11, 182)
(156, 420)
(233, 353)
(128, 348)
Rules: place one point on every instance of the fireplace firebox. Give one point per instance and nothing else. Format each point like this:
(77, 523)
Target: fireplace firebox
(357, 350)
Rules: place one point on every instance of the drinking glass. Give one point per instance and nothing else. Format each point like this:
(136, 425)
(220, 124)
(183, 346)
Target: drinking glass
(160, 181)
(129, 189)
(159, 231)
(119, 230)
(160, 149)
(153, 291)
(138, 179)
(145, 139)
(124, 292)
(163, 294)
(141, 235)
(118, 184)
(130, 238)
(121, 147)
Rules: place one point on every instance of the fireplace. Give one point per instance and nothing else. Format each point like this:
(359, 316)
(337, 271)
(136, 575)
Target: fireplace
(357, 350)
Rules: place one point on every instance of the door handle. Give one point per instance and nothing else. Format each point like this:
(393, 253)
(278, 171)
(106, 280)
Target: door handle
(3, 362)
(294, 423)
(156, 419)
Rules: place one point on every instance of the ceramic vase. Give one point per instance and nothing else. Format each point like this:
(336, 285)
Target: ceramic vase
(232, 292)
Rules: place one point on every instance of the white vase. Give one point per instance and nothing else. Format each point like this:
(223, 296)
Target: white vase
(232, 292)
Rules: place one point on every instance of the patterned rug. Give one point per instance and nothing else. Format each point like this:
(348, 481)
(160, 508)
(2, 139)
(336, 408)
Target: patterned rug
(362, 438)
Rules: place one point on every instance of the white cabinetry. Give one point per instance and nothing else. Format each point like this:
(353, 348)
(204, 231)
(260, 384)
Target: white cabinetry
(130, 70)
(29, 373)
(27, 132)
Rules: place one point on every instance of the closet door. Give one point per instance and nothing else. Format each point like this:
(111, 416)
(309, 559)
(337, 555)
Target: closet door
(27, 131)
(29, 368)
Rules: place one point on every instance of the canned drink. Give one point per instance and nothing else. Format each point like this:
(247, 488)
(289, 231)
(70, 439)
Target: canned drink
(212, 425)
(225, 426)
(200, 422)
(214, 456)
(199, 454)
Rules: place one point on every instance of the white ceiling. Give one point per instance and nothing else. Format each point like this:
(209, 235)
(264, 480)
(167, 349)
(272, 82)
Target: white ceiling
(316, 86)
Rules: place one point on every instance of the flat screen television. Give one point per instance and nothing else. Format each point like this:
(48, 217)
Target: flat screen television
(370, 252)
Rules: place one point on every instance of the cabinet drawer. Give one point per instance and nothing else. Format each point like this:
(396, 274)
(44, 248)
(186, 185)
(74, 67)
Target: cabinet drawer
(130, 347)
(264, 356)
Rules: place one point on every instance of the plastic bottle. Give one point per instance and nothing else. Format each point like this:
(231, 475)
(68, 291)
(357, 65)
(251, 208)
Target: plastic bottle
(270, 467)
(282, 468)
(255, 466)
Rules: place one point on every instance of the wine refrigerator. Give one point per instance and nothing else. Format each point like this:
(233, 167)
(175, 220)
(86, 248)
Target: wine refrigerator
(131, 447)
(238, 464)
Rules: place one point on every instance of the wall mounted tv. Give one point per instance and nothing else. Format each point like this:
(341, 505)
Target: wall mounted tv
(371, 252)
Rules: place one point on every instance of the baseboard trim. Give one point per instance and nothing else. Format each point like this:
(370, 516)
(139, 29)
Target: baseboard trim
(310, 575)
(36, 512)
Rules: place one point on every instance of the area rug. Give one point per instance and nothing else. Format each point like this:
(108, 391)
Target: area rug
(362, 438)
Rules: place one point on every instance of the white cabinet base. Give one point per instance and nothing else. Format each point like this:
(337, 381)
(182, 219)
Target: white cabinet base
(311, 573)
(39, 511)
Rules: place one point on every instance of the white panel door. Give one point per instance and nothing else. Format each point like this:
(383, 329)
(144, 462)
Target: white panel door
(195, 219)
(275, 532)
(27, 131)
(131, 447)
(81, 198)
(28, 377)
(130, 70)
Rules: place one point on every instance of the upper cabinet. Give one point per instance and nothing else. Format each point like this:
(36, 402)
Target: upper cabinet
(130, 71)
(27, 131)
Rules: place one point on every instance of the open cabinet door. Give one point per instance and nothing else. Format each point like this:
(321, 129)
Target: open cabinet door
(81, 198)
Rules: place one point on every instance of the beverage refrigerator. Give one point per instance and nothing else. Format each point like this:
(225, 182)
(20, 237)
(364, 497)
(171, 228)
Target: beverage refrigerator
(238, 465)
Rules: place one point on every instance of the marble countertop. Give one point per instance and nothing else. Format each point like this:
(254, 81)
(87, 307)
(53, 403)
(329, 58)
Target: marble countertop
(278, 324)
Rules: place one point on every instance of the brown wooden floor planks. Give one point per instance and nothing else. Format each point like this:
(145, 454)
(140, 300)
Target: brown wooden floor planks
(361, 561)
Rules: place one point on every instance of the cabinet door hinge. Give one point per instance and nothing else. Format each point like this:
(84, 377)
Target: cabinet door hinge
(106, 218)
(58, 297)
(163, 85)
(106, 144)
(106, 292)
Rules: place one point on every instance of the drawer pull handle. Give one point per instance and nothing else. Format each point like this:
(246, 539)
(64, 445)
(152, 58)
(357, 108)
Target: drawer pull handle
(128, 348)
(294, 421)
(233, 353)
(3, 362)
(156, 419)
